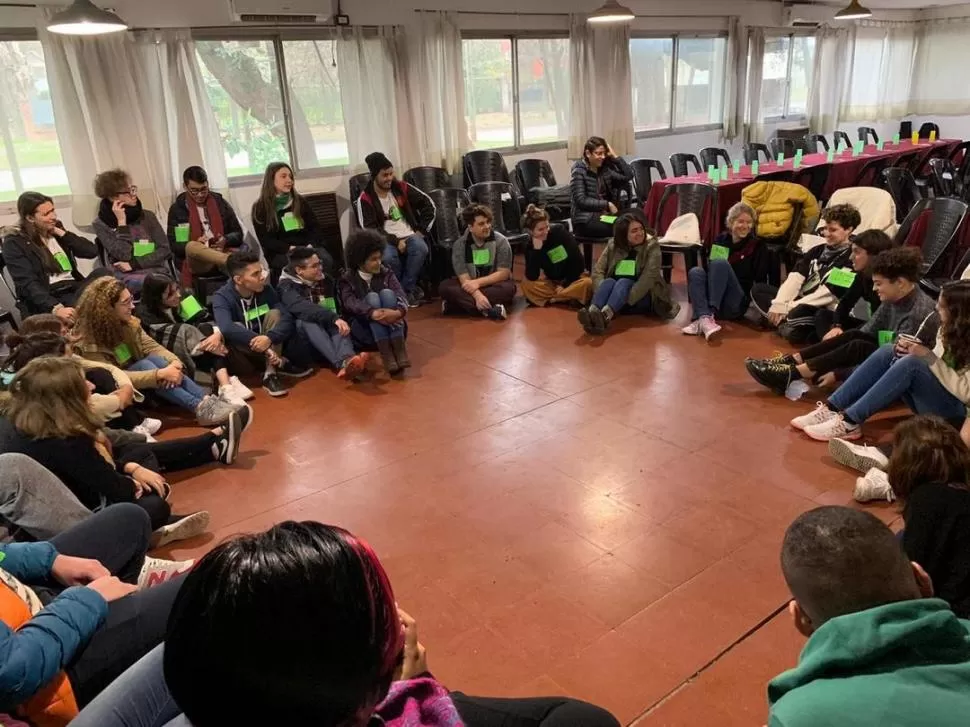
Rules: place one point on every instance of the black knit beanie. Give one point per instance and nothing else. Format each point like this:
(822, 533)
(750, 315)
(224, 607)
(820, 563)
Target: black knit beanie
(377, 162)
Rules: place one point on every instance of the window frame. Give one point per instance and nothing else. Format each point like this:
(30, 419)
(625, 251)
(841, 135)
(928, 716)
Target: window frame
(786, 114)
(517, 146)
(672, 129)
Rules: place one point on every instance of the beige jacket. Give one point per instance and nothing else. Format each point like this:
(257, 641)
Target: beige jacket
(140, 345)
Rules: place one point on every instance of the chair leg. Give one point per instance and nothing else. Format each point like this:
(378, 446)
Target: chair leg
(588, 255)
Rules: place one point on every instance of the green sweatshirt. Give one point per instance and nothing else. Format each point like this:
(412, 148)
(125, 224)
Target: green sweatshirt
(902, 665)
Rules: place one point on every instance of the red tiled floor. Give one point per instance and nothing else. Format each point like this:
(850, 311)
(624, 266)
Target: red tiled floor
(562, 516)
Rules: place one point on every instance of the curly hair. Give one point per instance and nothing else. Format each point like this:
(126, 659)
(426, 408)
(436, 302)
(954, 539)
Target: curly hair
(927, 450)
(361, 245)
(111, 183)
(845, 215)
(955, 332)
(895, 263)
(472, 211)
(49, 400)
(96, 319)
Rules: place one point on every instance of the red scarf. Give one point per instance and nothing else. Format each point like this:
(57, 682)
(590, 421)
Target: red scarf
(211, 212)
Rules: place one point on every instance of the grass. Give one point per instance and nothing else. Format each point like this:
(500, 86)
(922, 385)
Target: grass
(9, 195)
(33, 154)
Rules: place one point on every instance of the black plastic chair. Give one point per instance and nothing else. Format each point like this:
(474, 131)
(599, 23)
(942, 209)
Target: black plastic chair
(536, 184)
(713, 156)
(926, 128)
(901, 185)
(944, 178)
(500, 197)
(840, 137)
(813, 140)
(427, 178)
(946, 216)
(484, 166)
(865, 132)
(679, 162)
(355, 187)
(7, 316)
(814, 179)
(780, 175)
(781, 146)
(755, 152)
(701, 199)
(643, 170)
(960, 157)
(447, 228)
(871, 173)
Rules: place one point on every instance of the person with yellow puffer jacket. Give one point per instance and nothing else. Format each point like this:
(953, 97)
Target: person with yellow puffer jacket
(775, 204)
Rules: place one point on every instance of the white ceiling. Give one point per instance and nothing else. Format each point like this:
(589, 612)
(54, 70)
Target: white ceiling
(896, 4)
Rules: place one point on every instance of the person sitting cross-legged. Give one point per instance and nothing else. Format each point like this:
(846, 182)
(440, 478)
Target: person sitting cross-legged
(254, 322)
(482, 260)
(905, 310)
(881, 649)
(402, 213)
(310, 297)
(374, 300)
(554, 266)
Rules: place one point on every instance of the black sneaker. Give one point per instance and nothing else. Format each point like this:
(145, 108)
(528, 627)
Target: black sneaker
(584, 321)
(415, 297)
(273, 386)
(294, 371)
(496, 313)
(227, 445)
(775, 376)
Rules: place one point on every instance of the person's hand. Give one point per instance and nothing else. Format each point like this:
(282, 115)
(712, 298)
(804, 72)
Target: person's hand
(414, 657)
(378, 314)
(610, 154)
(118, 207)
(827, 381)
(260, 344)
(342, 328)
(611, 207)
(392, 316)
(273, 358)
(833, 332)
(559, 290)
(211, 343)
(57, 229)
(71, 571)
(122, 266)
(481, 302)
(905, 346)
(402, 246)
(169, 377)
(201, 239)
(126, 395)
(147, 482)
(65, 314)
(111, 589)
(218, 243)
(775, 319)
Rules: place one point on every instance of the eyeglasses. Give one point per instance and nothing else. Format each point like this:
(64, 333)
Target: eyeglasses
(198, 191)
(128, 302)
(314, 265)
(132, 190)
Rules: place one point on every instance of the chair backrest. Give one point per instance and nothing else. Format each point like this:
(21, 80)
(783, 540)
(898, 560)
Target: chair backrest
(325, 209)
(356, 186)
(813, 140)
(865, 132)
(840, 137)
(8, 280)
(876, 207)
(814, 178)
(713, 156)
(902, 186)
(679, 162)
(781, 175)
(960, 156)
(643, 176)
(102, 252)
(701, 199)
(926, 128)
(944, 177)
(945, 216)
(755, 152)
(781, 146)
(427, 178)
(532, 174)
(448, 202)
(484, 166)
(499, 197)
(871, 173)
(907, 161)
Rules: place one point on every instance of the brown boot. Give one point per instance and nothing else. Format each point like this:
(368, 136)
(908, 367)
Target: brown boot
(387, 356)
(400, 352)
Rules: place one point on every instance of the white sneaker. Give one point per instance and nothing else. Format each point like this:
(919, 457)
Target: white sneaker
(155, 571)
(874, 486)
(708, 327)
(187, 526)
(692, 329)
(242, 391)
(229, 394)
(151, 426)
(820, 414)
(140, 429)
(836, 427)
(860, 457)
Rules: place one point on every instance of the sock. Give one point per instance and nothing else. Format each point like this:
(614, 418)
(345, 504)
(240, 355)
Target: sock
(831, 408)
(795, 374)
(607, 312)
(848, 420)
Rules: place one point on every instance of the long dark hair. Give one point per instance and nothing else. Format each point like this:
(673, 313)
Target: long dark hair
(25, 347)
(301, 619)
(152, 292)
(27, 205)
(956, 331)
(264, 208)
(927, 450)
(621, 229)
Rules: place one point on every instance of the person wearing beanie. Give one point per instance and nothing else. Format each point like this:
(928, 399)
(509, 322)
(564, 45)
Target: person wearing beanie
(402, 213)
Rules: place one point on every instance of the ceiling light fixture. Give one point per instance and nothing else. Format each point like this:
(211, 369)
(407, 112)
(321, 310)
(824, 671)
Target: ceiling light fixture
(611, 12)
(854, 12)
(83, 17)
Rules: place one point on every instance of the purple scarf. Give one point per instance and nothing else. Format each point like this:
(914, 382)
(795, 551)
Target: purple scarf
(420, 702)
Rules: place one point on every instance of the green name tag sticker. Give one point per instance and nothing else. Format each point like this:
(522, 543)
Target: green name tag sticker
(292, 222)
(189, 307)
(896, 139)
(481, 257)
(396, 214)
(840, 277)
(328, 303)
(626, 268)
(720, 252)
(608, 219)
(182, 233)
(886, 337)
(830, 157)
(63, 260)
(880, 145)
(755, 167)
(736, 165)
(258, 312)
(140, 248)
(122, 353)
(557, 254)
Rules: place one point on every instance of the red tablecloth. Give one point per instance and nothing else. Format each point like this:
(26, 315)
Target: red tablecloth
(845, 170)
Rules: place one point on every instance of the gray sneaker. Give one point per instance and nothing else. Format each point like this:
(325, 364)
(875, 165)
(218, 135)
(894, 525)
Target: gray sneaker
(213, 411)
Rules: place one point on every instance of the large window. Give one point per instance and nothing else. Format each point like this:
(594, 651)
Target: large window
(318, 121)
(516, 91)
(30, 157)
(678, 82)
(787, 75)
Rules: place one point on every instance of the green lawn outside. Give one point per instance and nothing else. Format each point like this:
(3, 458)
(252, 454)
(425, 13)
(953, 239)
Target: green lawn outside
(33, 154)
(9, 195)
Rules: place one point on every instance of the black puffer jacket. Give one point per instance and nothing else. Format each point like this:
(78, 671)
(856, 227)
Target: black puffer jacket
(591, 193)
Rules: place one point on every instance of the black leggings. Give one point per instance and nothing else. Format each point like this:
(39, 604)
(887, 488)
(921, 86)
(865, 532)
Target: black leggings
(104, 383)
(530, 712)
(825, 319)
(209, 362)
(117, 537)
(843, 351)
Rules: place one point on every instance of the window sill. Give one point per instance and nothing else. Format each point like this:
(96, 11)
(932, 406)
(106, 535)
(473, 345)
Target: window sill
(248, 180)
(526, 148)
(677, 131)
(801, 119)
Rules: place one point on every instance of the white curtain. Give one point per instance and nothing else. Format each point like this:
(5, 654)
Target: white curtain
(734, 81)
(367, 94)
(600, 84)
(754, 127)
(881, 72)
(940, 84)
(135, 101)
(430, 92)
(833, 54)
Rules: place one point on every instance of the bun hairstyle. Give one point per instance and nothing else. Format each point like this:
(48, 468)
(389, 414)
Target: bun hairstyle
(533, 216)
(25, 347)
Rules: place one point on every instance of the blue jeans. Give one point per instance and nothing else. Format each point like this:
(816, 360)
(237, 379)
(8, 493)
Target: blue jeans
(716, 288)
(415, 253)
(882, 379)
(386, 299)
(615, 292)
(187, 394)
(327, 341)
